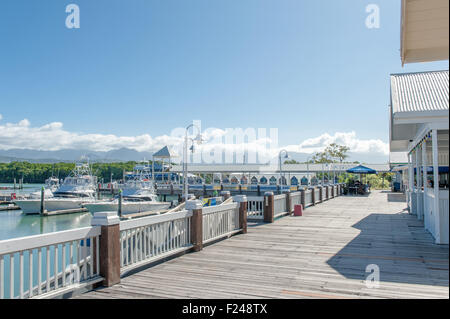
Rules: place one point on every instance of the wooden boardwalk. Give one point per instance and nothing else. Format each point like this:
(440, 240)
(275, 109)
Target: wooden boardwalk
(322, 254)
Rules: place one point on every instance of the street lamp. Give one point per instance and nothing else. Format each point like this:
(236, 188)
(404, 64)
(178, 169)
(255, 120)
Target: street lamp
(307, 169)
(286, 156)
(197, 139)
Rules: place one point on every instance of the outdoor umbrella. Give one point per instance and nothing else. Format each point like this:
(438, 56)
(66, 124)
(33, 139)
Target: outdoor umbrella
(361, 170)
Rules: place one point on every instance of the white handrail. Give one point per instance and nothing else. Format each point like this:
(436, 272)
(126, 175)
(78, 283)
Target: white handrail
(220, 221)
(74, 253)
(150, 220)
(15, 245)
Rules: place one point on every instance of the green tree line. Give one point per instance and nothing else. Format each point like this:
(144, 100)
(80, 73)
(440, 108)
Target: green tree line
(39, 172)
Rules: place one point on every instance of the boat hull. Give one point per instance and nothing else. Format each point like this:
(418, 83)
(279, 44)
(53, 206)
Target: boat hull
(127, 207)
(33, 206)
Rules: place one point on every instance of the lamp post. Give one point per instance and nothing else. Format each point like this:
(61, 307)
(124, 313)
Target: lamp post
(286, 156)
(307, 169)
(197, 139)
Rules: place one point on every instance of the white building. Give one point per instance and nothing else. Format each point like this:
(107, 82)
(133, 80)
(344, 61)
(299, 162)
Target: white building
(419, 115)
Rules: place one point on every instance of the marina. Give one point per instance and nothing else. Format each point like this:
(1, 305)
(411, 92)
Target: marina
(221, 150)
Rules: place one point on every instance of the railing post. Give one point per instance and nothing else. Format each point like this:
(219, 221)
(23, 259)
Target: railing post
(320, 193)
(288, 203)
(242, 200)
(268, 207)
(196, 223)
(313, 195)
(225, 194)
(109, 246)
(302, 197)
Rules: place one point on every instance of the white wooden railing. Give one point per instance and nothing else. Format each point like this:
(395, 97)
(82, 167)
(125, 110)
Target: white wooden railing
(50, 264)
(255, 207)
(317, 194)
(220, 221)
(296, 199)
(148, 239)
(308, 197)
(279, 204)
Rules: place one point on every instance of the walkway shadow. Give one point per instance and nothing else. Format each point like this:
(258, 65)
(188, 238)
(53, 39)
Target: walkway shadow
(396, 197)
(400, 246)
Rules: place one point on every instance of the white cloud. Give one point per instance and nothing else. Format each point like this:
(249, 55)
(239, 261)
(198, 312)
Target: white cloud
(349, 139)
(53, 136)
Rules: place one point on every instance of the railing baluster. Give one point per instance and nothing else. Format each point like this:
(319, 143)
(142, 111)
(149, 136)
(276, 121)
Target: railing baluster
(56, 266)
(2, 277)
(30, 269)
(78, 250)
(85, 265)
(47, 264)
(91, 257)
(97, 254)
(21, 275)
(63, 264)
(39, 270)
(11, 276)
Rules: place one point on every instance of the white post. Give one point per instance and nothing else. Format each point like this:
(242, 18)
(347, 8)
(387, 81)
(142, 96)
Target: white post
(419, 187)
(410, 182)
(424, 169)
(436, 221)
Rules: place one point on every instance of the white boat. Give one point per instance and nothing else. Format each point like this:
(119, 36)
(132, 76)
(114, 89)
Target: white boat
(78, 188)
(138, 195)
(51, 185)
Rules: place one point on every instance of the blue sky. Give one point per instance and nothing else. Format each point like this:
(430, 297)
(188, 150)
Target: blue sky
(145, 66)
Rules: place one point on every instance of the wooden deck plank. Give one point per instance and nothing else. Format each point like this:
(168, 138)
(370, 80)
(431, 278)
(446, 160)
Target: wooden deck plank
(322, 254)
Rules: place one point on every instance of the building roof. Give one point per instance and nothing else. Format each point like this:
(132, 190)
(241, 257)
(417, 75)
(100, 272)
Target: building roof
(424, 30)
(163, 153)
(420, 92)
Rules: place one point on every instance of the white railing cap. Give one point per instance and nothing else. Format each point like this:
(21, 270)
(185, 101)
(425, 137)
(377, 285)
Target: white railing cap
(225, 193)
(240, 198)
(194, 204)
(105, 219)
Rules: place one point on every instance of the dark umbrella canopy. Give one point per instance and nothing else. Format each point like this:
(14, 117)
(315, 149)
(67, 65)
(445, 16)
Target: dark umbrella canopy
(361, 170)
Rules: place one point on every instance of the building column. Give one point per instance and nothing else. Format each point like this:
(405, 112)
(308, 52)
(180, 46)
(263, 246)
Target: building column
(437, 229)
(419, 186)
(410, 183)
(424, 172)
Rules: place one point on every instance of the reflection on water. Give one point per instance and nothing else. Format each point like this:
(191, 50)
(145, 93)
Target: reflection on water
(15, 224)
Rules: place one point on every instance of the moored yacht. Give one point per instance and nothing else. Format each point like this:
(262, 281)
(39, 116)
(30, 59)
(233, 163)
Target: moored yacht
(78, 188)
(138, 195)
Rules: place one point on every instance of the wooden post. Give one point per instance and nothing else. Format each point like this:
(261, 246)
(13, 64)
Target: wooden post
(268, 207)
(196, 223)
(321, 193)
(242, 200)
(109, 246)
(313, 196)
(288, 203)
(119, 206)
(302, 197)
(42, 208)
